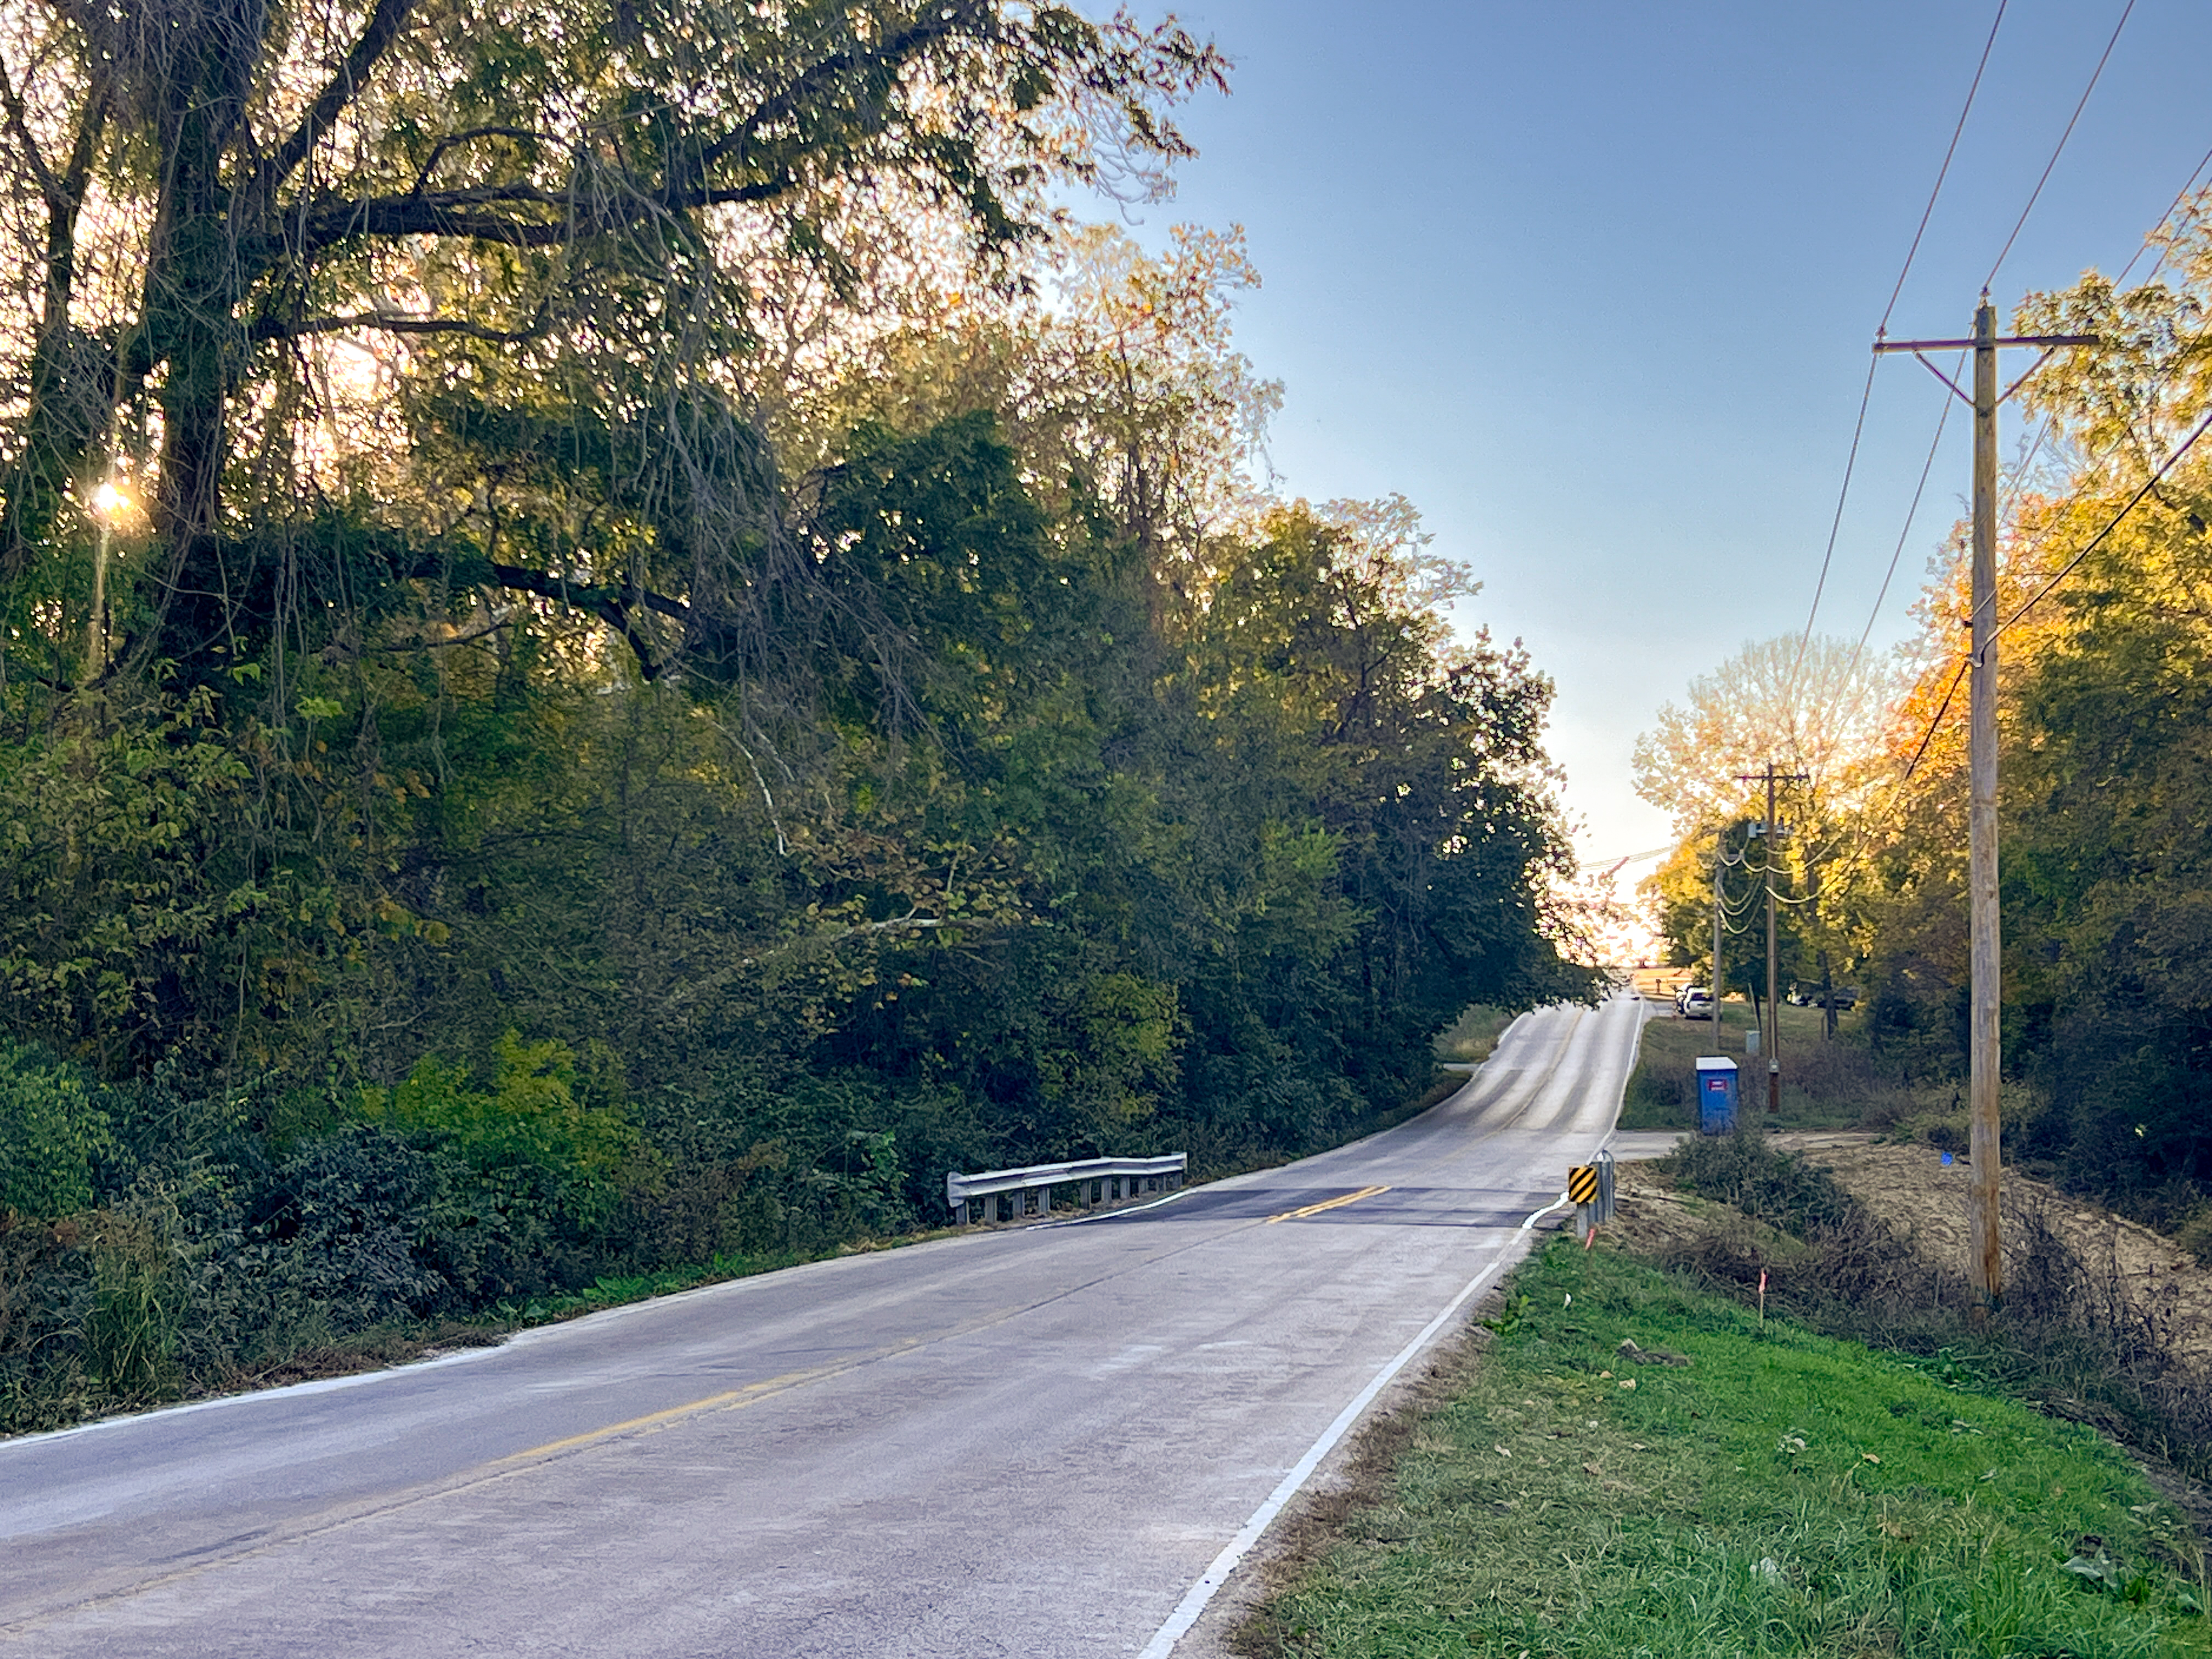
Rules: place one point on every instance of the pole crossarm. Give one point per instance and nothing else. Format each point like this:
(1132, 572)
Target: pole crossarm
(2049, 343)
(1970, 343)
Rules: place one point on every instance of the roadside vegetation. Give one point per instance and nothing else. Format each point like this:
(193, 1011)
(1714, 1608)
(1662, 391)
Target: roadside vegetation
(2105, 776)
(1839, 1084)
(1470, 1038)
(1636, 1464)
(621, 645)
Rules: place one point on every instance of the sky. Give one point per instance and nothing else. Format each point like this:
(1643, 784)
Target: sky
(1593, 285)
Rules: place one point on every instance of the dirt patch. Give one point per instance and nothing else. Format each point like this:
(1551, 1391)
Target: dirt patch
(2159, 1285)
(1651, 1218)
(2155, 1283)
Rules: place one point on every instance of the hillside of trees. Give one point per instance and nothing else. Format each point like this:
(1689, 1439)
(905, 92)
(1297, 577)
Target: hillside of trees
(2105, 780)
(619, 643)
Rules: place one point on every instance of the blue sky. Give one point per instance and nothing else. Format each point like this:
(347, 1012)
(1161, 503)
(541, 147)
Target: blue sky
(1593, 285)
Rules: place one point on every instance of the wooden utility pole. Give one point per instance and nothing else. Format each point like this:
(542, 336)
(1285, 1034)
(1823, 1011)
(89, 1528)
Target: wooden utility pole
(1720, 909)
(1771, 1034)
(1985, 1056)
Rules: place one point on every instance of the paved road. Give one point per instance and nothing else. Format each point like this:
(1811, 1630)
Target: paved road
(1029, 1441)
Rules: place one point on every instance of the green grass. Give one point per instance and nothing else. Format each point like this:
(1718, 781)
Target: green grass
(1785, 1494)
(1824, 1084)
(1474, 1034)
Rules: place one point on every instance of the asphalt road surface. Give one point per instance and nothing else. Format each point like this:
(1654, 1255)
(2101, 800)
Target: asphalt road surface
(1034, 1440)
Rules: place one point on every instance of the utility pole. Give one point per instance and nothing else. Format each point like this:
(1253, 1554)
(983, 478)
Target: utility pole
(1984, 1054)
(1771, 1039)
(1720, 909)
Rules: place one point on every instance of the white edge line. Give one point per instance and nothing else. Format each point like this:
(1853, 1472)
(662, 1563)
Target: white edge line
(1195, 1601)
(1108, 1215)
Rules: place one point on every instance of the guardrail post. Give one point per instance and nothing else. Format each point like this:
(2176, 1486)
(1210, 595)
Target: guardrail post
(1582, 1187)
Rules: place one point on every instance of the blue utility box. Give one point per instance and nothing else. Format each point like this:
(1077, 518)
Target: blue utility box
(1717, 1095)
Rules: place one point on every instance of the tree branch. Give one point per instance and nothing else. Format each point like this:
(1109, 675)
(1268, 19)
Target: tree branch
(894, 51)
(49, 186)
(474, 214)
(270, 328)
(607, 607)
(376, 37)
(451, 140)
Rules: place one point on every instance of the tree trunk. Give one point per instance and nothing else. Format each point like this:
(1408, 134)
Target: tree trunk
(190, 323)
(72, 382)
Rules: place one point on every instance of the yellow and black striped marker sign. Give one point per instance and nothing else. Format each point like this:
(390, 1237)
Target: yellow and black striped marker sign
(1581, 1183)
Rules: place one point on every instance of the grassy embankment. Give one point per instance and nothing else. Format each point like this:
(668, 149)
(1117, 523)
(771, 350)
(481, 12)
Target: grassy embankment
(1824, 1084)
(1473, 1035)
(1781, 1494)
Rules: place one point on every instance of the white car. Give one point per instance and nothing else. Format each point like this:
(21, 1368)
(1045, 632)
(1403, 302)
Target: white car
(1696, 1002)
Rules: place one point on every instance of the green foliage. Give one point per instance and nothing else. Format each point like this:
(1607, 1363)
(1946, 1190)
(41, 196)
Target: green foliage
(52, 1133)
(131, 1330)
(1742, 1171)
(117, 889)
(1474, 1034)
(528, 1124)
(660, 778)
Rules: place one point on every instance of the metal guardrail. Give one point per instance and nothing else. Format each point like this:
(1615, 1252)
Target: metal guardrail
(1011, 1194)
(1590, 1186)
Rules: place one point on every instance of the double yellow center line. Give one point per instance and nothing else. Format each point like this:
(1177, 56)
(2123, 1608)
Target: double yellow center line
(1326, 1204)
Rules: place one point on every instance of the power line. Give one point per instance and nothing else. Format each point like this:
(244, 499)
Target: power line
(1944, 172)
(2050, 421)
(1896, 553)
(2043, 433)
(1941, 708)
(2111, 524)
(1866, 391)
(2126, 11)
(2044, 592)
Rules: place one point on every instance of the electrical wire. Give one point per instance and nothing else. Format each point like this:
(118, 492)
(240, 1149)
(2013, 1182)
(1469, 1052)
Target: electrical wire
(2043, 433)
(2043, 592)
(2017, 480)
(1944, 172)
(2111, 524)
(1881, 329)
(2004, 252)
(1941, 708)
(1865, 394)
(1896, 553)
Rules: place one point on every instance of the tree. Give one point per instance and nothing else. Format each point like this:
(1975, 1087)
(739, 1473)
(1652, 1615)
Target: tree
(1818, 711)
(556, 208)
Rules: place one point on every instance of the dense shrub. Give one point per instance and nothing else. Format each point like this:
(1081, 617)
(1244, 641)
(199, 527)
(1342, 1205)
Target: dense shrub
(52, 1132)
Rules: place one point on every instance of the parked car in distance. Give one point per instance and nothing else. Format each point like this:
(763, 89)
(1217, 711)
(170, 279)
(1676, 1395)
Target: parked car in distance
(1844, 996)
(1696, 1002)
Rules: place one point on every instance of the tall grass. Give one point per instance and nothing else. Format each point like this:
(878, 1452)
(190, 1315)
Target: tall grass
(1474, 1034)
